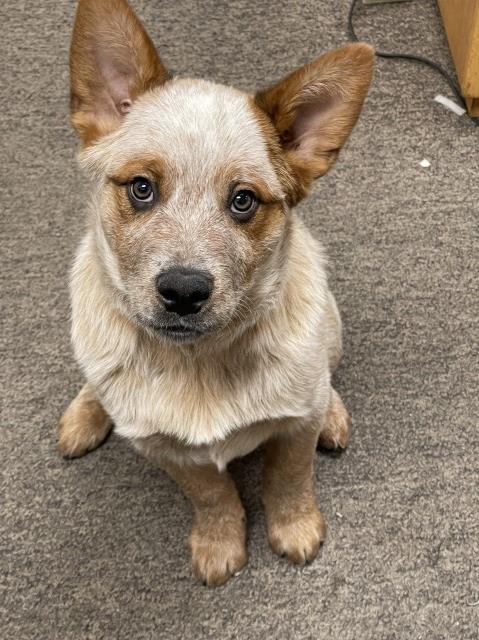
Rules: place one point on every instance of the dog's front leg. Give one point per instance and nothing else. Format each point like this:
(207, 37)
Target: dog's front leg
(295, 525)
(218, 538)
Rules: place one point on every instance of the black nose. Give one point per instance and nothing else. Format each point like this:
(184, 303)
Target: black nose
(184, 291)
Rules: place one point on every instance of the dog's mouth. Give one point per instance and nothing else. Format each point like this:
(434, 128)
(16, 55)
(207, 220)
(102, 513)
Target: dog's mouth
(178, 332)
(175, 332)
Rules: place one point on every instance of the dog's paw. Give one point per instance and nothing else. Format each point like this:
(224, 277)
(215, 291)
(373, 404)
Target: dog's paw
(218, 554)
(299, 537)
(75, 440)
(335, 434)
(83, 426)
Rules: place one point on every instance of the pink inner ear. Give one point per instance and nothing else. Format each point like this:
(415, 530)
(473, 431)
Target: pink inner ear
(308, 133)
(116, 80)
(125, 105)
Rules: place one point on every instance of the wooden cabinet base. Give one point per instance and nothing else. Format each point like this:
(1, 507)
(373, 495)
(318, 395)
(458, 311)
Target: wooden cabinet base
(473, 107)
(461, 20)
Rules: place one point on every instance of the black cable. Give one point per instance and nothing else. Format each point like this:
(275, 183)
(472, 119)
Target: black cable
(413, 58)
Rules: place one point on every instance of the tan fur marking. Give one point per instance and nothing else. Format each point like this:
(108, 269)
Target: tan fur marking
(245, 177)
(275, 151)
(83, 426)
(295, 526)
(112, 61)
(153, 168)
(315, 108)
(335, 434)
(145, 165)
(218, 537)
(265, 227)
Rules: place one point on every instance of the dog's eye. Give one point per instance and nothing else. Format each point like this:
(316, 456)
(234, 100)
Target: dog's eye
(243, 205)
(141, 193)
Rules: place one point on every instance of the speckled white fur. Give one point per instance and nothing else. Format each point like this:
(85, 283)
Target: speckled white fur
(222, 397)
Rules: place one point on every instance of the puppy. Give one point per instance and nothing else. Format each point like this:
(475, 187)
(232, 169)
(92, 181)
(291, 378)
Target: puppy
(202, 318)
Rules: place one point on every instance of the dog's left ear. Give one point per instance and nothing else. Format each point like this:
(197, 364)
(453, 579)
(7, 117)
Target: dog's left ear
(112, 61)
(315, 108)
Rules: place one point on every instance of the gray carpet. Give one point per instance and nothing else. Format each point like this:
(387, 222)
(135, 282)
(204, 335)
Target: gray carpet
(94, 548)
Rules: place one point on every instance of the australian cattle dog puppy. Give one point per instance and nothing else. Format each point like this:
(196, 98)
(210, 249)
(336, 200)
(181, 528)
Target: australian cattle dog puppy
(202, 318)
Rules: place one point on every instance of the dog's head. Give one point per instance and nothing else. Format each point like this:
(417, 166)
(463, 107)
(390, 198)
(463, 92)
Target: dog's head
(195, 180)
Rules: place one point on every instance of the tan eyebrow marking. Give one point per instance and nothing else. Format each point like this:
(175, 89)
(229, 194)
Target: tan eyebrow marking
(145, 165)
(248, 178)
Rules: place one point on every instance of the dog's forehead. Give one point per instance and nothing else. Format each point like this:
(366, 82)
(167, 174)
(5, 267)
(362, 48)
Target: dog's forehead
(199, 128)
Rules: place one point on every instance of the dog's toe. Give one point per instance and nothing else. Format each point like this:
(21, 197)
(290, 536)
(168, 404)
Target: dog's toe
(299, 538)
(218, 555)
(215, 563)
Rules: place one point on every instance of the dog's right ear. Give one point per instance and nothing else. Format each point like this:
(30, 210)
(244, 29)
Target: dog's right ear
(315, 108)
(112, 61)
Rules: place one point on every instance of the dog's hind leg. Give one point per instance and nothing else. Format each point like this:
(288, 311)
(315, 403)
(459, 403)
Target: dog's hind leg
(83, 426)
(335, 434)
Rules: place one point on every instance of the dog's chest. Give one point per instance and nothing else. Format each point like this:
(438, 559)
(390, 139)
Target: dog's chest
(204, 402)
